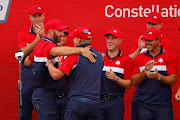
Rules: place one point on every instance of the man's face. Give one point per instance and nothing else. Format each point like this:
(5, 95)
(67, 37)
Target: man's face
(151, 25)
(112, 43)
(58, 35)
(37, 18)
(151, 44)
(63, 40)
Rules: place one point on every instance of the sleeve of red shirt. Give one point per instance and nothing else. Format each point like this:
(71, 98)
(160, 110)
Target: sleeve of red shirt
(49, 46)
(172, 65)
(31, 57)
(21, 40)
(128, 68)
(68, 63)
(136, 66)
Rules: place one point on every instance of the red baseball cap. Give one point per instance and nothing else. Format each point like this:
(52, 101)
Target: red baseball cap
(82, 33)
(36, 9)
(115, 32)
(154, 17)
(152, 34)
(55, 24)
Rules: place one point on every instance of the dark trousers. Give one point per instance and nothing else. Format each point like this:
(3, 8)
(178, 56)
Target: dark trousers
(135, 110)
(61, 101)
(44, 102)
(82, 109)
(27, 78)
(112, 109)
(147, 112)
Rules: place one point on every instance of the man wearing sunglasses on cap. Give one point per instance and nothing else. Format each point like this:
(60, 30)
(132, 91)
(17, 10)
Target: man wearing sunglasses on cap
(84, 79)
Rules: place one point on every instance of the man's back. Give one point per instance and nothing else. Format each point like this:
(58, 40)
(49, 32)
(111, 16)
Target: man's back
(85, 78)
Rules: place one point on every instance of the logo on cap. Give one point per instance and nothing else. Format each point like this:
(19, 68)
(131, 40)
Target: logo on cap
(113, 31)
(61, 23)
(155, 17)
(149, 33)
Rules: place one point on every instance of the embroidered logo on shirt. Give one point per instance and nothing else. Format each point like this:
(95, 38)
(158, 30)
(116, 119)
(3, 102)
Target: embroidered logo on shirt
(117, 62)
(160, 60)
(27, 44)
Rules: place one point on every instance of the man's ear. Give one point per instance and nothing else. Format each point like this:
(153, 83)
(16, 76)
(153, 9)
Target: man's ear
(30, 17)
(160, 24)
(79, 40)
(120, 40)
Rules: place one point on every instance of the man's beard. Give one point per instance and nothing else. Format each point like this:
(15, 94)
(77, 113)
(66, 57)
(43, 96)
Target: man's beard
(55, 37)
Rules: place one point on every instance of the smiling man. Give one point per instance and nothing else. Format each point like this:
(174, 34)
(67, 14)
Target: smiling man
(154, 72)
(116, 77)
(154, 20)
(44, 94)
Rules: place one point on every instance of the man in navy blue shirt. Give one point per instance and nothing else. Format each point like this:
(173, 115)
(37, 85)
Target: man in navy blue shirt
(84, 78)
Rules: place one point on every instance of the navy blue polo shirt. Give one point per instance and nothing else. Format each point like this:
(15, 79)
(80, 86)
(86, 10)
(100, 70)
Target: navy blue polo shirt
(121, 65)
(84, 76)
(39, 56)
(152, 91)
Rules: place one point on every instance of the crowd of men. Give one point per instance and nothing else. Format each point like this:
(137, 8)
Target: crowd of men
(80, 83)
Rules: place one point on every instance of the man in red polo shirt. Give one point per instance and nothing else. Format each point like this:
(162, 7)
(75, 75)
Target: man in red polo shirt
(26, 42)
(154, 20)
(116, 77)
(154, 72)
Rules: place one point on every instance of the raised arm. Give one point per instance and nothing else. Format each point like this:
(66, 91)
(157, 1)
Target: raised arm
(65, 51)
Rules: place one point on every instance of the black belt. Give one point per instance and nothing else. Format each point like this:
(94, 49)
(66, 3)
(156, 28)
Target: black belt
(61, 94)
(108, 97)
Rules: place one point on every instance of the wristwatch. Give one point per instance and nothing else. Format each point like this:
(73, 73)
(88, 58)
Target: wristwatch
(48, 63)
(117, 79)
(159, 78)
